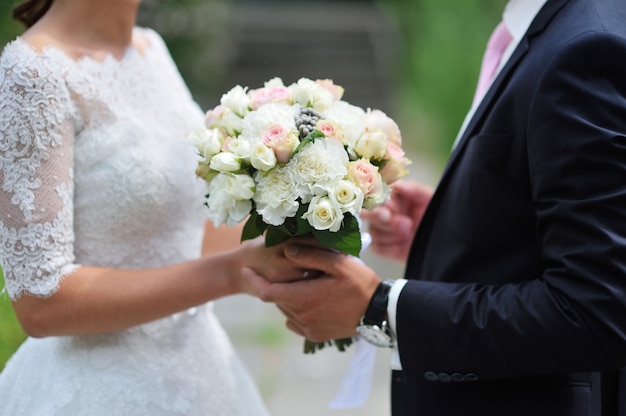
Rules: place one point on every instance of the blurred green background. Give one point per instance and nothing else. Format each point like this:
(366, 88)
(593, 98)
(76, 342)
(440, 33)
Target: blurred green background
(439, 48)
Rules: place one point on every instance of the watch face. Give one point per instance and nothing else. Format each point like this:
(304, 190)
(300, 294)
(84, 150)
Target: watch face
(375, 335)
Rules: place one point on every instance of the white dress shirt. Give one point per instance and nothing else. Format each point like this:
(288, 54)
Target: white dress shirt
(517, 15)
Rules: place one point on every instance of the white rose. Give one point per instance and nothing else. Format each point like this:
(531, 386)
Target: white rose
(231, 123)
(275, 196)
(347, 196)
(323, 214)
(208, 142)
(240, 148)
(308, 93)
(237, 100)
(229, 198)
(372, 145)
(262, 157)
(225, 162)
(274, 82)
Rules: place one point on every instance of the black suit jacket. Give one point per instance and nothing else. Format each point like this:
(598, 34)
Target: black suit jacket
(516, 299)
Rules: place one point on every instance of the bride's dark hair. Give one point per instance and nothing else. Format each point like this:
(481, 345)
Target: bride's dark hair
(30, 11)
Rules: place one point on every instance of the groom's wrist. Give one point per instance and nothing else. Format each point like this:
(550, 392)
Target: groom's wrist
(374, 326)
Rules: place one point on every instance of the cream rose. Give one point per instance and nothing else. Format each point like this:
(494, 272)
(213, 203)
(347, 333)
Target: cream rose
(322, 214)
(371, 145)
(262, 157)
(347, 196)
(378, 120)
(225, 162)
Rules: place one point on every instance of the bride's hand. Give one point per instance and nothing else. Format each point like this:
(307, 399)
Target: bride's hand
(272, 263)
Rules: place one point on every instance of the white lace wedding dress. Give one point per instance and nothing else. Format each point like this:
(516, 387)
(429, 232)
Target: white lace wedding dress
(96, 169)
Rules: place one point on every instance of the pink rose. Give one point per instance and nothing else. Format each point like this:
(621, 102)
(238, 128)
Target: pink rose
(335, 90)
(277, 94)
(331, 130)
(395, 164)
(282, 141)
(365, 176)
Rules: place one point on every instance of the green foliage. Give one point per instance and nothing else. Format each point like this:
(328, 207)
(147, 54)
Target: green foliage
(11, 334)
(195, 32)
(443, 42)
(8, 28)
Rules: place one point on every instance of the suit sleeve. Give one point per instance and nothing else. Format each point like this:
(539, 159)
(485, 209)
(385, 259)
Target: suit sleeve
(571, 317)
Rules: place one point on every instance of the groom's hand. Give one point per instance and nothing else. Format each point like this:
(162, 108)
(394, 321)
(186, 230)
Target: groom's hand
(327, 307)
(393, 225)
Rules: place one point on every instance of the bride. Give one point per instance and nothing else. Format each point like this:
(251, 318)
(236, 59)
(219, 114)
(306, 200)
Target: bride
(101, 226)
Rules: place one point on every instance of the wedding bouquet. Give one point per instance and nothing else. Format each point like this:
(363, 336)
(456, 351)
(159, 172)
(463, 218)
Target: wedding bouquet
(297, 160)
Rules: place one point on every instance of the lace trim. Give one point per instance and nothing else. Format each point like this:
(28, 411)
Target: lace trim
(46, 245)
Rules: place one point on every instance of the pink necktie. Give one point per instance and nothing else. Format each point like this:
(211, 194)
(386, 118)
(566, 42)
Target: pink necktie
(499, 40)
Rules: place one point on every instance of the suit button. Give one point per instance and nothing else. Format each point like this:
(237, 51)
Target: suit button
(458, 377)
(430, 376)
(471, 377)
(444, 377)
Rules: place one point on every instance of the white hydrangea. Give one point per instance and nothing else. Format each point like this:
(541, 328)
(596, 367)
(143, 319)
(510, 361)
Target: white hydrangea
(275, 196)
(317, 166)
(350, 118)
(229, 200)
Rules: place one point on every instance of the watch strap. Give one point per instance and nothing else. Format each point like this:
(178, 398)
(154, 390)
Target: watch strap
(377, 308)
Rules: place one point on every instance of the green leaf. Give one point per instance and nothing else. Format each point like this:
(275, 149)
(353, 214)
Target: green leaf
(346, 240)
(254, 227)
(275, 236)
(310, 138)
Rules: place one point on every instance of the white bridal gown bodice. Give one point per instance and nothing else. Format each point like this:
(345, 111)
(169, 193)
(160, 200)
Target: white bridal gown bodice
(96, 169)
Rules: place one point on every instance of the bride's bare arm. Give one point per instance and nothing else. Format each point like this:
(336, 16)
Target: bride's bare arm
(97, 300)
(221, 238)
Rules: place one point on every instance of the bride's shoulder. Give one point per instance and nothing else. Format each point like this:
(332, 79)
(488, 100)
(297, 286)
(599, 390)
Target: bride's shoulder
(26, 51)
(30, 64)
(145, 38)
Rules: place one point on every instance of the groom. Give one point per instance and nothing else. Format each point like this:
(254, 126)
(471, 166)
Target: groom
(514, 297)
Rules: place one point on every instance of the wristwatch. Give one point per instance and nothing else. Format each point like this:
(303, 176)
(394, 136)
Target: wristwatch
(373, 326)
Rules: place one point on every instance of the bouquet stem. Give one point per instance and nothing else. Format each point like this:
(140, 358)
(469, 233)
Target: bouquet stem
(310, 347)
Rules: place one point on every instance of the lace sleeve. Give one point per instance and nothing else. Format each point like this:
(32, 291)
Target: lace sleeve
(36, 165)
